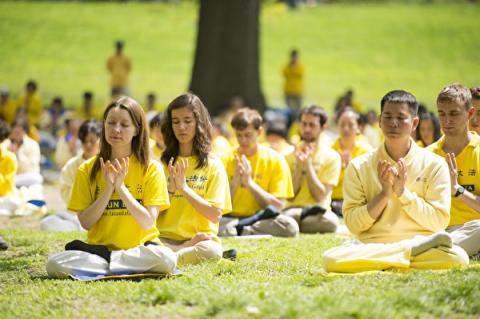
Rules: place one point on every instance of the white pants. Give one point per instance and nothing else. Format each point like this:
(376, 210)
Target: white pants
(467, 236)
(140, 259)
(28, 179)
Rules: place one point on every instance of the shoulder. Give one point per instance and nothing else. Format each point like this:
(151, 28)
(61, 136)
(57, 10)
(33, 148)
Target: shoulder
(87, 166)
(366, 159)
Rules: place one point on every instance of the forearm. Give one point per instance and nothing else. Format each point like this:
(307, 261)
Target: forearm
(92, 214)
(263, 197)
(234, 184)
(377, 205)
(472, 200)
(144, 218)
(202, 206)
(297, 179)
(316, 187)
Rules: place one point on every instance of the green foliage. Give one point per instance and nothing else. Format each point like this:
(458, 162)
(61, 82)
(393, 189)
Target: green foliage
(272, 278)
(371, 47)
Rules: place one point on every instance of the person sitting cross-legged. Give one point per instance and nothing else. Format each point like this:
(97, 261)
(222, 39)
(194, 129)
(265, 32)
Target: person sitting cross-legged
(399, 213)
(259, 182)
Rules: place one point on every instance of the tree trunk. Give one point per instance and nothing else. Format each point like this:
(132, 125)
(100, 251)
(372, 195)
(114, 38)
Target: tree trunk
(227, 54)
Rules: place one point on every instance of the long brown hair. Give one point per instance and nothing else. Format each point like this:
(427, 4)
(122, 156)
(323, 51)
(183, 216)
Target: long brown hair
(140, 145)
(203, 131)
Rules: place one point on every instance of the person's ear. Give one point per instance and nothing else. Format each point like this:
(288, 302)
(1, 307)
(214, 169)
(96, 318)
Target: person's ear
(415, 121)
(471, 112)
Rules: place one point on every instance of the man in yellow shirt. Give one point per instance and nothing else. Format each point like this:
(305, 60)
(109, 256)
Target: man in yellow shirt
(398, 214)
(259, 182)
(88, 110)
(29, 105)
(8, 107)
(315, 169)
(455, 110)
(293, 87)
(119, 67)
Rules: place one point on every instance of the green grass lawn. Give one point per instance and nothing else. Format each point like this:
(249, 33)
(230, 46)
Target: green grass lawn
(272, 278)
(372, 48)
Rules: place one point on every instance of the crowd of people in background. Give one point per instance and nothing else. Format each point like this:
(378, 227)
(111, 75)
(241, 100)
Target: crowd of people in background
(176, 180)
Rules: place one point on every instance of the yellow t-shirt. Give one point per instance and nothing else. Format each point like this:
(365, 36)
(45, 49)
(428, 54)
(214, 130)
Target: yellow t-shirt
(468, 167)
(293, 75)
(269, 170)
(119, 67)
(33, 105)
(182, 221)
(8, 111)
(423, 208)
(327, 164)
(359, 149)
(8, 169)
(155, 150)
(117, 228)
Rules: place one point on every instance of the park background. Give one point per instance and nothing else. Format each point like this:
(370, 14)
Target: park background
(369, 46)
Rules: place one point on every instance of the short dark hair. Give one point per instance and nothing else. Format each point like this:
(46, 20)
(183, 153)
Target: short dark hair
(245, 117)
(4, 130)
(87, 95)
(475, 92)
(401, 97)
(456, 92)
(31, 84)
(156, 121)
(87, 127)
(277, 128)
(317, 111)
(119, 44)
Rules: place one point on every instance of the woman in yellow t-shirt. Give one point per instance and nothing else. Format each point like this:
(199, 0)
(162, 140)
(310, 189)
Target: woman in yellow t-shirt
(117, 196)
(349, 145)
(197, 183)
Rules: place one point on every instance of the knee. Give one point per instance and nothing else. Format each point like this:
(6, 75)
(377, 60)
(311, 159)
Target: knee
(289, 227)
(167, 259)
(209, 250)
(459, 258)
(474, 224)
(54, 267)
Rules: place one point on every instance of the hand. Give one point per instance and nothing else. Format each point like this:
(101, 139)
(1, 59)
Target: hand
(171, 177)
(302, 154)
(452, 167)
(179, 176)
(399, 177)
(385, 175)
(346, 157)
(108, 173)
(120, 167)
(246, 171)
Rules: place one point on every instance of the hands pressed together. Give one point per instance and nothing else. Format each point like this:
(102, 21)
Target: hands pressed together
(177, 175)
(115, 171)
(303, 157)
(452, 167)
(392, 178)
(243, 170)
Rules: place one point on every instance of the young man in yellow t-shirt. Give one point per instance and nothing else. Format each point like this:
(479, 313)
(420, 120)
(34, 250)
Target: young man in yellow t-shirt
(399, 214)
(461, 149)
(260, 181)
(119, 67)
(293, 87)
(29, 105)
(8, 107)
(315, 168)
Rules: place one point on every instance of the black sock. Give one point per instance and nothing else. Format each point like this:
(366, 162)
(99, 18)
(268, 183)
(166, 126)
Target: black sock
(267, 213)
(311, 211)
(3, 244)
(98, 250)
